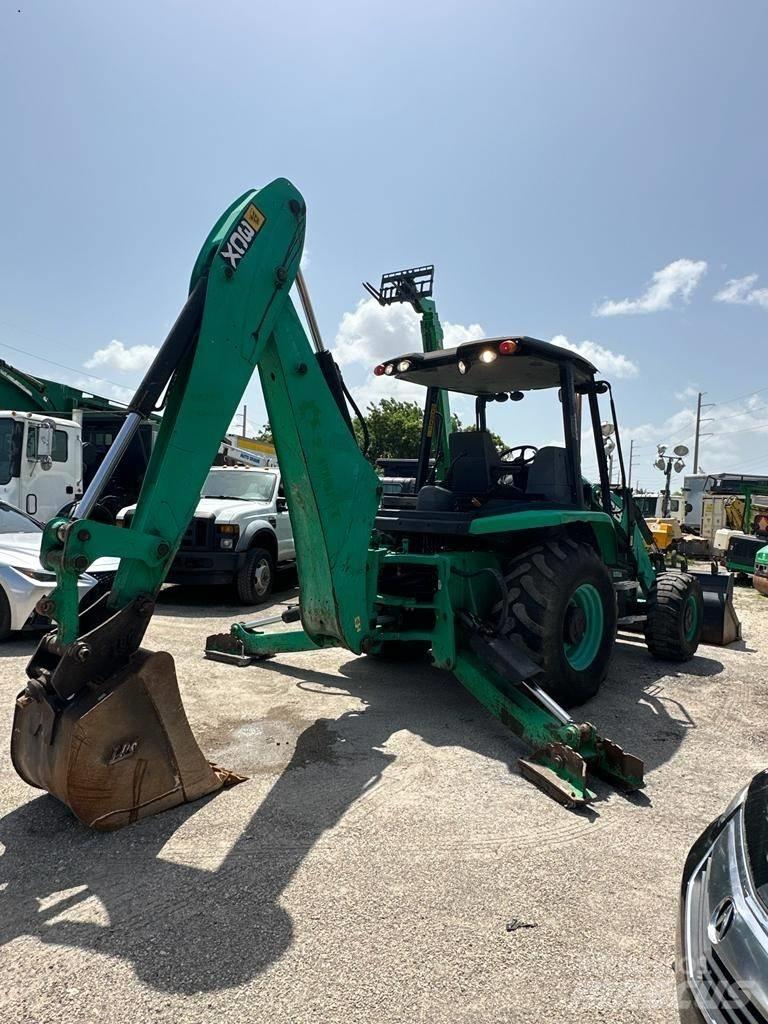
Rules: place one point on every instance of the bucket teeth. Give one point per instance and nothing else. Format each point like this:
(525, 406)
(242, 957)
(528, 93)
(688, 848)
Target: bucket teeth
(119, 750)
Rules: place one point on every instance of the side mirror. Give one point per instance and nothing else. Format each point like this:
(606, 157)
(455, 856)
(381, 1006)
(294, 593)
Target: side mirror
(281, 505)
(44, 445)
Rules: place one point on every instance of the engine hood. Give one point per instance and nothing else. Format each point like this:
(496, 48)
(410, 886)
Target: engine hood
(228, 509)
(23, 550)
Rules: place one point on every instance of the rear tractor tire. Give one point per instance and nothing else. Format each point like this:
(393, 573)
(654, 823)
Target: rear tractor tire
(255, 580)
(562, 610)
(675, 616)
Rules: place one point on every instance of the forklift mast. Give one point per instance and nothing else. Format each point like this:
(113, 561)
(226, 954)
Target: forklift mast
(415, 287)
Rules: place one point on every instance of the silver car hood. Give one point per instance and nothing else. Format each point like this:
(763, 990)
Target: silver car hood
(23, 551)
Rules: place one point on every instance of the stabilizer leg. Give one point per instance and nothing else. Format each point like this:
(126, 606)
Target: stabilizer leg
(563, 751)
(246, 642)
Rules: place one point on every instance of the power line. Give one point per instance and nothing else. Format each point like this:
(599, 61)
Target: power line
(738, 398)
(62, 366)
(744, 430)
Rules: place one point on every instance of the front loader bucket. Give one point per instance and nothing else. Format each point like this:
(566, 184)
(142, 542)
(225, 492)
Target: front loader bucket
(721, 624)
(117, 751)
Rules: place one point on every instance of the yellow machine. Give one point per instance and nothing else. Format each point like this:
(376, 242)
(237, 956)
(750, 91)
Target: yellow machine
(665, 532)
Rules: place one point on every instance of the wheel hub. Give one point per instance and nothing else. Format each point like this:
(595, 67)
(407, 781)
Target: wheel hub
(583, 627)
(261, 576)
(575, 624)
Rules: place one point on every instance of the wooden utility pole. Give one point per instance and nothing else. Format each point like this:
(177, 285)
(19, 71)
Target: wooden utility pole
(699, 421)
(631, 453)
(245, 432)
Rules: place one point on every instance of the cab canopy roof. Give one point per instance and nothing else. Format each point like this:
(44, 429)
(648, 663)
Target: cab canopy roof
(490, 366)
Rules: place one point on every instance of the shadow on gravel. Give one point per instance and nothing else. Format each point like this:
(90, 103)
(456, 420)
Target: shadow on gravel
(189, 930)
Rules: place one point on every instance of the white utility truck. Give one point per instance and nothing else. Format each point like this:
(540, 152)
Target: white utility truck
(41, 463)
(240, 533)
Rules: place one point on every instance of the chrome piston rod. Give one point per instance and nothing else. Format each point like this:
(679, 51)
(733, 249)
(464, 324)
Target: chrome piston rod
(309, 313)
(116, 451)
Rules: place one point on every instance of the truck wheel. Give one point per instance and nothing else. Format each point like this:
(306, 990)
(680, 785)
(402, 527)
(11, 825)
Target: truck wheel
(5, 617)
(255, 580)
(562, 607)
(675, 616)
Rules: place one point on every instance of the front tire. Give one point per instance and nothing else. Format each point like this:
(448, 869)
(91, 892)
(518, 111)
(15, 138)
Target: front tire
(675, 616)
(562, 609)
(254, 582)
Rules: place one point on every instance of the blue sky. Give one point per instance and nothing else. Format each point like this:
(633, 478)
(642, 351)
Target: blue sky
(548, 157)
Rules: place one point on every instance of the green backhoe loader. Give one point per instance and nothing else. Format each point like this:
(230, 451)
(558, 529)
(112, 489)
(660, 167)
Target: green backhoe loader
(507, 568)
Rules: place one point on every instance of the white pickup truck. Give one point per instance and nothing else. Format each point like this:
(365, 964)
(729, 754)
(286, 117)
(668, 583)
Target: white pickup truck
(240, 532)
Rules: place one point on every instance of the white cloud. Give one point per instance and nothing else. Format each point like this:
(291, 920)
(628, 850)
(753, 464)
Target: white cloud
(104, 388)
(612, 364)
(116, 356)
(372, 332)
(373, 389)
(739, 291)
(687, 393)
(733, 440)
(678, 278)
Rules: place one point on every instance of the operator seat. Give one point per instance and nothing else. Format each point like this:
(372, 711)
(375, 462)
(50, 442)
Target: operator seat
(548, 476)
(473, 457)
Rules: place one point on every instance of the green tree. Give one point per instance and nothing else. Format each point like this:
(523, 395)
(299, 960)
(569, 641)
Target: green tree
(264, 434)
(394, 428)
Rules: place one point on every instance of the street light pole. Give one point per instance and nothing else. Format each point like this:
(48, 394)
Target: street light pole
(665, 463)
(667, 488)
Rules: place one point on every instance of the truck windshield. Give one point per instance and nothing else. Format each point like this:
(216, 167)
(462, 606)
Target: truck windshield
(243, 484)
(13, 521)
(10, 449)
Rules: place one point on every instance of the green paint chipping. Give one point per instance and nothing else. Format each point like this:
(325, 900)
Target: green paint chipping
(584, 627)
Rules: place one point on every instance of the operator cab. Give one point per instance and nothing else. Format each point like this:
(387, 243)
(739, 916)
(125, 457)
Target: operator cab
(479, 479)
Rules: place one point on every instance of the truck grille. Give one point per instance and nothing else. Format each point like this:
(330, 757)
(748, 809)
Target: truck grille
(198, 536)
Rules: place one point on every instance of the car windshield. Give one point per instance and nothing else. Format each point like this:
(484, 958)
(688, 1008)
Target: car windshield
(243, 484)
(13, 521)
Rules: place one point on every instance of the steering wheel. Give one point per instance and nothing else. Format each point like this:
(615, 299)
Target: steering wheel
(522, 459)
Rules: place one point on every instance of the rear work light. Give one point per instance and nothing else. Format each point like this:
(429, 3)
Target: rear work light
(508, 347)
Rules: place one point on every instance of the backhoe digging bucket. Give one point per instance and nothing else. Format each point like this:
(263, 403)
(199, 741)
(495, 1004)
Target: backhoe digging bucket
(721, 624)
(117, 751)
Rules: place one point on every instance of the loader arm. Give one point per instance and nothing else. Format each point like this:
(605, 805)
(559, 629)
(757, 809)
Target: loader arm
(100, 723)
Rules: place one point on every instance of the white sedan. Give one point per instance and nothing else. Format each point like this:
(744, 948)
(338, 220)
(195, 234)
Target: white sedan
(23, 580)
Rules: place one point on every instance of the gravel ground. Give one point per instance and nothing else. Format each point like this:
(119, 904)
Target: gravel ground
(385, 861)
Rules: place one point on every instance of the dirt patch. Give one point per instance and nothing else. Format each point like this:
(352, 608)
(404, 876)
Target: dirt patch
(282, 739)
